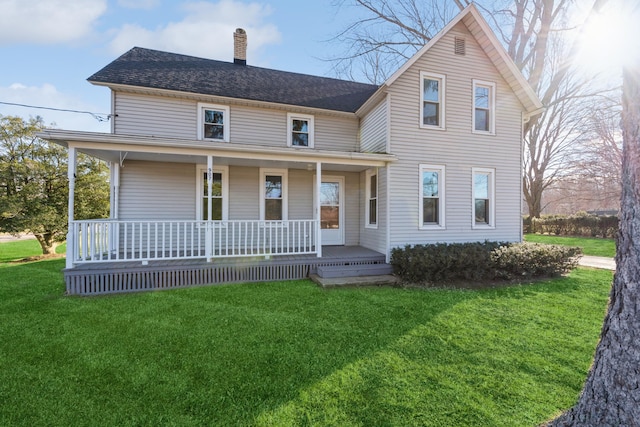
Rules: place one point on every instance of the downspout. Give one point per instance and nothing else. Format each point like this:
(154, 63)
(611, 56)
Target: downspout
(388, 183)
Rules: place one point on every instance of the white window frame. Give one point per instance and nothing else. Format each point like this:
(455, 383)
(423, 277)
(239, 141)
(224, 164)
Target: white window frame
(492, 107)
(222, 170)
(441, 99)
(284, 173)
(440, 225)
(311, 127)
(225, 125)
(491, 224)
(367, 210)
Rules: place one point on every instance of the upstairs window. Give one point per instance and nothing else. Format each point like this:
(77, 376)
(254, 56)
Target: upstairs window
(371, 207)
(301, 130)
(431, 214)
(483, 106)
(432, 110)
(213, 122)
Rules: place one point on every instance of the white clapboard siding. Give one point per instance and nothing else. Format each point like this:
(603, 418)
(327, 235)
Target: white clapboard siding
(374, 238)
(138, 114)
(352, 207)
(373, 130)
(457, 147)
(157, 190)
(336, 133)
(154, 116)
(244, 193)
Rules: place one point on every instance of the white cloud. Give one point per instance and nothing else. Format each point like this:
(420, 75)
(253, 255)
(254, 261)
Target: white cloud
(47, 21)
(138, 4)
(206, 31)
(47, 95)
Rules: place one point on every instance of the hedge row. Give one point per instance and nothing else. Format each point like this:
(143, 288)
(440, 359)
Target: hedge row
(580, 224)
(444, 263)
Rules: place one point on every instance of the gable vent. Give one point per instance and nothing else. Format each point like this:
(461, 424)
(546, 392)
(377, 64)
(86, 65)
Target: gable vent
(459, 46)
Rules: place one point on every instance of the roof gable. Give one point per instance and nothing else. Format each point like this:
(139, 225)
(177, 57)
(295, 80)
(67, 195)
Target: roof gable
(494, 50)
(170, 71)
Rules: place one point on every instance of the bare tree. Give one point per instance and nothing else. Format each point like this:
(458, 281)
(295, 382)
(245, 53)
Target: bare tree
(377, 45)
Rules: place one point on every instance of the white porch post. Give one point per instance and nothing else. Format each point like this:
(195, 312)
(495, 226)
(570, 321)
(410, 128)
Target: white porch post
(114, 238)
(318, 226)
(209, 228)
(115, 190)
(71, 231)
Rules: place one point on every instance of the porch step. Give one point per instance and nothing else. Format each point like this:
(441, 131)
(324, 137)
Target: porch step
(336, 271)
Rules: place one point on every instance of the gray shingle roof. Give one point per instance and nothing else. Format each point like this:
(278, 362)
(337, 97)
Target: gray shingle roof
(164, 70)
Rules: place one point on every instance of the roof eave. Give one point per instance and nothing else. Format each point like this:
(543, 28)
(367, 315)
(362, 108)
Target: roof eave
(222, 99)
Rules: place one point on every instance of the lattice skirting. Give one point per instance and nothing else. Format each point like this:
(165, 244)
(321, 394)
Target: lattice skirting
(109, 280)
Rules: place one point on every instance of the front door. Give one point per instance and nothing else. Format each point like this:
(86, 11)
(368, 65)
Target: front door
(332, 210)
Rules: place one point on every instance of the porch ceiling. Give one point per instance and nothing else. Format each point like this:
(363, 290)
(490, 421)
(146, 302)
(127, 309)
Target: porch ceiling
(123, 148)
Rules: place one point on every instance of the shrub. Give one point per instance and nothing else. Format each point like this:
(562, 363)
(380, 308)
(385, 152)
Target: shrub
(580, 224)
(444, 263)
(528, 260)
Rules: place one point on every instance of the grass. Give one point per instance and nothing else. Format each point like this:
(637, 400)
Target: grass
(590, 246)
(290, 353)
(19, 249)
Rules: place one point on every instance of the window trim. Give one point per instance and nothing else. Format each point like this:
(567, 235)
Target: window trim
(368, 174)
(224, 171)
(284, 173)
(441, 97)
(492, 107)
(225, 125)
(491, 224)
(311, 131)
(441, 225)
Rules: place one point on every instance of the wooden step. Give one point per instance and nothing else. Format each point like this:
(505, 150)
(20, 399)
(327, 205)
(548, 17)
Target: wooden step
(332, 271)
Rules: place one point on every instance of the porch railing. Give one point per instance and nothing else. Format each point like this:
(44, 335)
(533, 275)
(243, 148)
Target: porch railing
(111, 240)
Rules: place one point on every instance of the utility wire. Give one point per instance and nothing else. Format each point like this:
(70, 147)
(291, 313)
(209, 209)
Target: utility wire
(101, 117)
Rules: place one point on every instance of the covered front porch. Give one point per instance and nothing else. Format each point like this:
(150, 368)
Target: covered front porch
(187, 213)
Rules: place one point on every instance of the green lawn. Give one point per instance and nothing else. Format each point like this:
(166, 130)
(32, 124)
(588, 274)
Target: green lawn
(291, 353)
(590, 246)
(18, 249)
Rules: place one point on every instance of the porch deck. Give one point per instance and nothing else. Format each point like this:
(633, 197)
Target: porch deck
(132, 276)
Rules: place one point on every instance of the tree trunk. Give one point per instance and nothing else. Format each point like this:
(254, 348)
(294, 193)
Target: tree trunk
(47, 243)
(611, 395)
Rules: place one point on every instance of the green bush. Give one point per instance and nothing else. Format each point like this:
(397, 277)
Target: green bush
(444, 263)
(580, 224)
(528, 260)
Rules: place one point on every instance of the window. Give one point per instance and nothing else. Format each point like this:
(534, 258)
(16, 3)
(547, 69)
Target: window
(219, 194)
(483, 198)
(431, 196)
(301, 132)
(371, 207)
(273, 194)
(432, 100)
(483, 106)
(213, 122)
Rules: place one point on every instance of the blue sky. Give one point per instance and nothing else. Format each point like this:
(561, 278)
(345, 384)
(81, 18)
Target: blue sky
(50, 47)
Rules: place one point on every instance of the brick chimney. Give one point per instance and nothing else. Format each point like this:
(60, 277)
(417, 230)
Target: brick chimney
(240, 47)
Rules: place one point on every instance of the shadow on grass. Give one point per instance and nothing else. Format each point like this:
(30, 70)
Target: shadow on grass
(284, 353)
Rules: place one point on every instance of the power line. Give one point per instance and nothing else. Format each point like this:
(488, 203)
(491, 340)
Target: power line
(101, 117)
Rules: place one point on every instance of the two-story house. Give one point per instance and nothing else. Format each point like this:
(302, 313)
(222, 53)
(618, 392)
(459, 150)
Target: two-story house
(222, 171)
